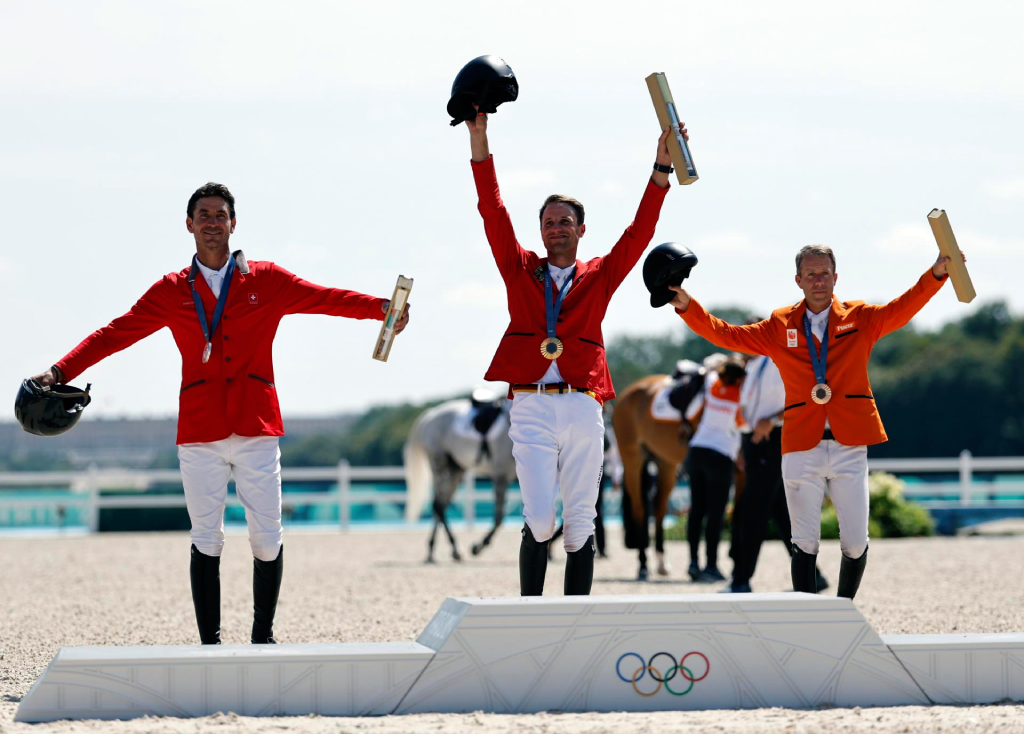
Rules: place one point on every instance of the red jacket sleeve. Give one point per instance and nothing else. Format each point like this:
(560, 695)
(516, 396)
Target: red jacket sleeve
(751, 339)
(627, 251)
(300, 296)
(897, 313)
(148, 315)
(508, 254)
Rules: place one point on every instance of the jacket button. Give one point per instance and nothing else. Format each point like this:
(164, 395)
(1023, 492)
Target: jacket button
(229, 379)
(225, 337)
(559, 320)
(227, 359)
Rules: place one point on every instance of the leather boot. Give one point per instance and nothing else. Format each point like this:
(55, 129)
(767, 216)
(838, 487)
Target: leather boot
(204, 572)
(266, 586)
(851, 571)
(533, 564)
(801, 567)
(579, 569)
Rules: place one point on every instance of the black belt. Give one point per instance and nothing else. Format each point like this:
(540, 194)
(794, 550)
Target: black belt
(827, 435)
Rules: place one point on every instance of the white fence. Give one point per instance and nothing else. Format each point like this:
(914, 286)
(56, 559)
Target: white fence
(86, 487)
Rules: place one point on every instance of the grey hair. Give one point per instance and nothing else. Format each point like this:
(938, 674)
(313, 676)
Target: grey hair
(815, 250)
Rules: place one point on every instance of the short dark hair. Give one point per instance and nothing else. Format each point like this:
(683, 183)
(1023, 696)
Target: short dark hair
(561, 199)
(212, 189)
(816, 250)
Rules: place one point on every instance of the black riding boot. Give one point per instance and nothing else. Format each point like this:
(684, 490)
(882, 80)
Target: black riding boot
(801, 567)
(851, 571)
(266, 586)
(579, 569)
(533, 564)
(204, 572)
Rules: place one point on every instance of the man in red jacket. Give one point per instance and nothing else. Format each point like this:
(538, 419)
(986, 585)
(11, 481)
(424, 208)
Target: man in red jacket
(552, 355)
(223, 313)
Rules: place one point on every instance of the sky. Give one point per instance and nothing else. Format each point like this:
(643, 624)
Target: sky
(810, 122)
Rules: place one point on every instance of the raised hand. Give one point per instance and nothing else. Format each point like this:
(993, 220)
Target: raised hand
(478, 136)
(940, 267)
(662, 156)
(682, 299)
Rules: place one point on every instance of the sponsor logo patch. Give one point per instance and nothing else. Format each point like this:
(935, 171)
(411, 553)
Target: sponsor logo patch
(844, 327)
(790, 337)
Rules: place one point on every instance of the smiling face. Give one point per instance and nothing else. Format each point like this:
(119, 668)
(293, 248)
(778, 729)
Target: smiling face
(817, 280)
(561, 233)
(211, 224)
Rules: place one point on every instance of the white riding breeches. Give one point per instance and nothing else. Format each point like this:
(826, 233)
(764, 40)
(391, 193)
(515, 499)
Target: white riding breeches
(843, 470)
(255, 463)
(558, 443)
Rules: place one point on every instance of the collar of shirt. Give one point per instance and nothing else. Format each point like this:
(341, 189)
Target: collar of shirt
(819, 322)
(208, 274)
(558, 275)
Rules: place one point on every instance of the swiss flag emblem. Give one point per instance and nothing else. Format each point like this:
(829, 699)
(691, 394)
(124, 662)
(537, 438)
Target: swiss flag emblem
(254, 299)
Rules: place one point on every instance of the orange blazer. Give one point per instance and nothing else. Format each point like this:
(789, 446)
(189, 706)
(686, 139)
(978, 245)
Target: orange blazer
(853, 329)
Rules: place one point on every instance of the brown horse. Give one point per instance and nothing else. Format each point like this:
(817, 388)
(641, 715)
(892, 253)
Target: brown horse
(640, 436)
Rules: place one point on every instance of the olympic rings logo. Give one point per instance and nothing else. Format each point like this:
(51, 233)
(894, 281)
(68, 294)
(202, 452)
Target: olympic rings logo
(676, 668)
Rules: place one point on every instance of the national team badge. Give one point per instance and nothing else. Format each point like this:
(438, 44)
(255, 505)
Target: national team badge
(254, 299)
(790, 337)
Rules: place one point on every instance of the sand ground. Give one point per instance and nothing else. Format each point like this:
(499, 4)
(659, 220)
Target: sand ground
(132, 589)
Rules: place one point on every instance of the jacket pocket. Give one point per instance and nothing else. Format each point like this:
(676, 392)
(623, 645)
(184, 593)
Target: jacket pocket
(599, 345)
(846, 333)
(191, 385)
(266, 382)
(519, 333)
(865, 397)
(794, 405)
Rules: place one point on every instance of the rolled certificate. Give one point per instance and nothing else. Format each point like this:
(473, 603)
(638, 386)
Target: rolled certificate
(399, 300)
(668, 117)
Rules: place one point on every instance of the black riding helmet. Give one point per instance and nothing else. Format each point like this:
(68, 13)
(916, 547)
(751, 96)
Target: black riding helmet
(49, 411)
(486, 81)
(665, 265)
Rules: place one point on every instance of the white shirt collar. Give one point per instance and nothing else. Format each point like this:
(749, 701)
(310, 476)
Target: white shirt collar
(560, 272)
(819, 318)
(207, 272)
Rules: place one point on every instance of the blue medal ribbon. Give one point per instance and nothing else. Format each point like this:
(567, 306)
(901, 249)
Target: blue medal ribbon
(819, 364)
(552, 309)
(209, 329)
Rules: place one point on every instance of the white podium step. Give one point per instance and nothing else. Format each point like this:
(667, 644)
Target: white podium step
(521, 655)
(253, 680)
(647, 653)
(982, 668)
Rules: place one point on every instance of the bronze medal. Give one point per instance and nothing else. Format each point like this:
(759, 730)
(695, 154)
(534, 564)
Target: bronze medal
(821, 393)
(551, 348)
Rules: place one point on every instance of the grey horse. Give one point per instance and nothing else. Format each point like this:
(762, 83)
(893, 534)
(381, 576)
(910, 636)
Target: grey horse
(444, 443)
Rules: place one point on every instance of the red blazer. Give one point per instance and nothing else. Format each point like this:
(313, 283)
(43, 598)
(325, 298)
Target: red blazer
(853, 329)
(234, 392)
(582, 364)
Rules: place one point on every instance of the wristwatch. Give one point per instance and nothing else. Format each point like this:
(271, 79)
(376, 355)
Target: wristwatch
(663, 169)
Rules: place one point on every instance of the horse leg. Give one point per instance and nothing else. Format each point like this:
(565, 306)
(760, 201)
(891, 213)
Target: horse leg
(667, 472)
(430, 545)
(500, 486)
(641, 575)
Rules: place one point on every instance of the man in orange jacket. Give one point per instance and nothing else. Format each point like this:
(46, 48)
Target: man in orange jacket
(821, 346)
(552, 355)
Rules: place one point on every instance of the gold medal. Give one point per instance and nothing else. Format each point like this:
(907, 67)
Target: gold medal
(551, 348)
(207, 351)
(821, 393)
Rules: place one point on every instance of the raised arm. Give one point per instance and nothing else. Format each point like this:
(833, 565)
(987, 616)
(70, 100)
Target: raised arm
(147, 316)
(627, 251)
(501, 237)
(898, 312)
(750, 339)
(300, 296)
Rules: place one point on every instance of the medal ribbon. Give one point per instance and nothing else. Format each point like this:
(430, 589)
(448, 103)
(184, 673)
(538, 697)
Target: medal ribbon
(552, 309)
(819, 365)
(208, 328)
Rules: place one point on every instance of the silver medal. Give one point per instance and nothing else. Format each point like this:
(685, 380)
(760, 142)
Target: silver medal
(207, 351)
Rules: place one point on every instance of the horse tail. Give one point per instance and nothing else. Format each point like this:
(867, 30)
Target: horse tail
(417, 475)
